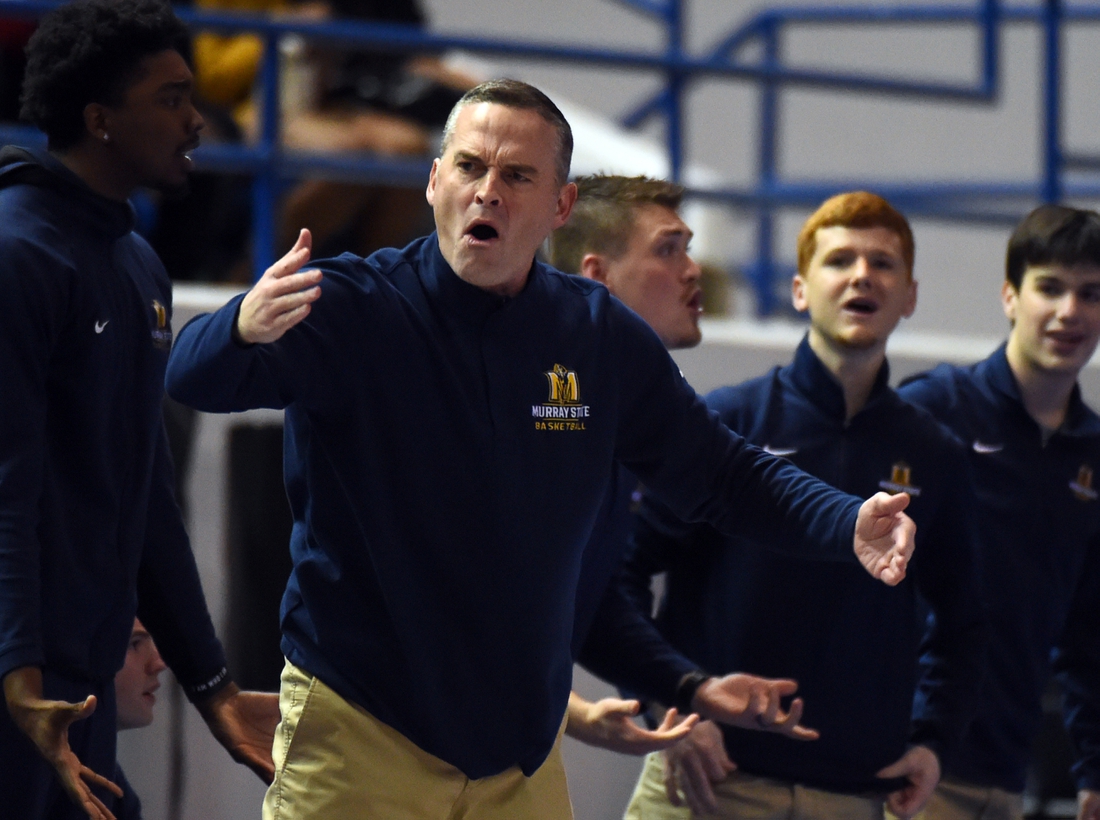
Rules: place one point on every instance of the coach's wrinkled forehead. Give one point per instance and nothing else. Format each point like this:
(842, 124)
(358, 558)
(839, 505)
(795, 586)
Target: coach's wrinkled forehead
(516, 94)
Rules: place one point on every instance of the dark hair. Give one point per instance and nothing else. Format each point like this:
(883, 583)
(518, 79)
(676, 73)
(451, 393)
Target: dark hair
(854, 209)
(604, 215)
(91, 51)
(1053, 234)
(517, 94)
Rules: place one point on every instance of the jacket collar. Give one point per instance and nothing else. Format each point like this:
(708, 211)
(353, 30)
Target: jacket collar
(996, 372)
(456, 296)
(814, 381)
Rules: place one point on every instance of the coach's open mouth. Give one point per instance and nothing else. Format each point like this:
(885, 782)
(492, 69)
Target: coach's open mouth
(483, 232)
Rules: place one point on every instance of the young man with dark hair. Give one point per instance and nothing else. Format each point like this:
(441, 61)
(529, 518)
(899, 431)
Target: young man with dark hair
(1033, 446)
(88, 523)
(453, 411)
(735, 603)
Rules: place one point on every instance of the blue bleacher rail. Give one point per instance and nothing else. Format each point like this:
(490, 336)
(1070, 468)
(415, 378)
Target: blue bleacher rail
(981, 202)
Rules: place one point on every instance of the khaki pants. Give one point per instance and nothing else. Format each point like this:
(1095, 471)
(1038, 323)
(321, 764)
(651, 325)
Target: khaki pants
(955, 800)
(746, 797)
(335, 761)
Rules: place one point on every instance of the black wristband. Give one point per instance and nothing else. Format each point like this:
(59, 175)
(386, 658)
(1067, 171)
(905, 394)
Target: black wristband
(687, 687)
(208, 688)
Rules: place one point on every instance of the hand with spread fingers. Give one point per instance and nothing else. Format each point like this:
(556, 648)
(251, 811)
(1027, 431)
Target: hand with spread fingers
(751, 702)
(46, 723)
(884, 535)
(921, 767)
(244, 723)
(282, 298)
(608, 724)
(694, 765)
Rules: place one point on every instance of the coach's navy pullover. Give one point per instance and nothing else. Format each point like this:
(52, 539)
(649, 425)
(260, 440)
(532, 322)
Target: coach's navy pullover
(88, 521)
(734, 605)
(447, 453)
(1038, 518)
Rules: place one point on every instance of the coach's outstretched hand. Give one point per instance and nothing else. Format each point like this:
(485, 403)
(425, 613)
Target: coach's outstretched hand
(752, 702)
(609, 724)
(282, 297)
(884, 537)
(244, 723)
(46, 723)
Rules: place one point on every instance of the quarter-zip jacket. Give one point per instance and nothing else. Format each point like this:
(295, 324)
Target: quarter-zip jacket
(89, 527)
(1038, 521)
(447, 454)
(737, 605)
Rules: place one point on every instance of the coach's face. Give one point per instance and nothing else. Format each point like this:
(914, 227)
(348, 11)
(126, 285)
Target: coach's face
(496, 194)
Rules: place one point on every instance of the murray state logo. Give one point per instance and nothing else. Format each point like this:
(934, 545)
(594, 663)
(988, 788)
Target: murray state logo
(1082, 487)
(900, 480)
(564, 387)
(563, 409)
(162, 334)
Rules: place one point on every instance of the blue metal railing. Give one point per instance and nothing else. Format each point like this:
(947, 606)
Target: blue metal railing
(1001, 201)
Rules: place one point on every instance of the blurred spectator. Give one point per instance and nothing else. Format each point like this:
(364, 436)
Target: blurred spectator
(339, 100)
(14, 34)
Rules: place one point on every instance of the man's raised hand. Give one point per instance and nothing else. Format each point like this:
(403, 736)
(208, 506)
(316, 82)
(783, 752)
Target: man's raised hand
(282, 298)
(752, 702)
(884, 535)
(608, 724)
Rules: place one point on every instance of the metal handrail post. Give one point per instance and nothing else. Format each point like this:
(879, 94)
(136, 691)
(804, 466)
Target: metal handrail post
(674, 103)
(1051, 189)
(265, 184)
(991, 46)
(764, 271)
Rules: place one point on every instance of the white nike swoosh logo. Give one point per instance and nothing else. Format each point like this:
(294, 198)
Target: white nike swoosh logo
(980, 447)
(780, 451)
(99, 327)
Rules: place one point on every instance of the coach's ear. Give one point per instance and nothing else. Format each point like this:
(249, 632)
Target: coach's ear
(594, 266)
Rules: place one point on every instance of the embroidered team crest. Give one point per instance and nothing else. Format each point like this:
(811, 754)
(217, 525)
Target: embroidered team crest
(563, 409)
(162, 334)
(1082, 487)
(564, 386)
(901, 480)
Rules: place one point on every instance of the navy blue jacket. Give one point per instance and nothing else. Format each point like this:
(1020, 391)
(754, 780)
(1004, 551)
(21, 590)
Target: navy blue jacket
(447, 454)
(88, 519)
(604, 552)
(127, 807)
(1038, 518)
(734, 604)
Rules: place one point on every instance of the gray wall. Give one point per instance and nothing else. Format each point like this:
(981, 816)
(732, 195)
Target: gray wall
(831, 135)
